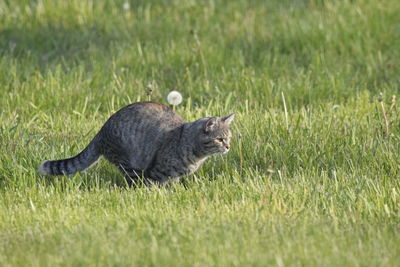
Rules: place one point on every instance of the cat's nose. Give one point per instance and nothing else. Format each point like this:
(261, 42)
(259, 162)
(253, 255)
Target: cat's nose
(227, 147)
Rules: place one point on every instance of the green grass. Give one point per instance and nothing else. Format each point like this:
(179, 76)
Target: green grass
(313, 178)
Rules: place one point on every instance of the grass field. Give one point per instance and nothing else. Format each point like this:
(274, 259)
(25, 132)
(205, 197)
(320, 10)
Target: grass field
(313, 177)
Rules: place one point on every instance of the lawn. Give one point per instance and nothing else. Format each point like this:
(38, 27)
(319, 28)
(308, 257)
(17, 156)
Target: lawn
(313, 176)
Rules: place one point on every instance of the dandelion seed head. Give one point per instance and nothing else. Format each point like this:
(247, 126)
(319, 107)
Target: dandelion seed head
(380, 97)
(174, 98)
(126, 6)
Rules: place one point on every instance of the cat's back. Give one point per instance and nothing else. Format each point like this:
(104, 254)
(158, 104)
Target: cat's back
(149, 116)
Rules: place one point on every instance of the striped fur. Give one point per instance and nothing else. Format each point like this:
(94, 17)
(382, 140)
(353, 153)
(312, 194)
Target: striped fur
(150, 140)
(80, 162)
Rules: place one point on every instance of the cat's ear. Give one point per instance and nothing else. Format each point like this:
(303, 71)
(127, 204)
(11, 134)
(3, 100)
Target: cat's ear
(210, 124)
(228, 119)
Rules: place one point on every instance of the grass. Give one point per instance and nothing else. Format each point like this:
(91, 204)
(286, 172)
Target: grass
(313, 175)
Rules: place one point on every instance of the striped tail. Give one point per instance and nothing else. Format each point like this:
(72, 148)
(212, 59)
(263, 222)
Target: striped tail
(80, 162)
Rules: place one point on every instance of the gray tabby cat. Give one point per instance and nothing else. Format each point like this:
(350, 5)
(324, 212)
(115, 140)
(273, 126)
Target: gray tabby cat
(150, 140)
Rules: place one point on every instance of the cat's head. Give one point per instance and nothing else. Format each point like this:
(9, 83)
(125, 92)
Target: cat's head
(215, 134)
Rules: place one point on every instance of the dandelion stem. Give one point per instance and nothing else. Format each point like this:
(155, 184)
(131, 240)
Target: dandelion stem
(240, 155)
(286, 113)
(385, 119)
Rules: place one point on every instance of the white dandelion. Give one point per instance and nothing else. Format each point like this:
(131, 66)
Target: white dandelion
(174, 98)
(126, 6)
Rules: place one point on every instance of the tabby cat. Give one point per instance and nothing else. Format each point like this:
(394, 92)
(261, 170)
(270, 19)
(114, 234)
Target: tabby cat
(150, 140)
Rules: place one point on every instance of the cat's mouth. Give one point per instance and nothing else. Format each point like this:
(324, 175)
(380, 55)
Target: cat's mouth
(225, 151)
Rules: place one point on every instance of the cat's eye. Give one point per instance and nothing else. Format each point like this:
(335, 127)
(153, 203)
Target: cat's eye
(220, 140)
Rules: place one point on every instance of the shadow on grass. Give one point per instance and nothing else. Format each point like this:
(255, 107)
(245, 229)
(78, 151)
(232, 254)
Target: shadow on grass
(86, 181)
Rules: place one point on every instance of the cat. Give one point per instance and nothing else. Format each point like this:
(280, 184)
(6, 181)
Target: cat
(149, 140)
